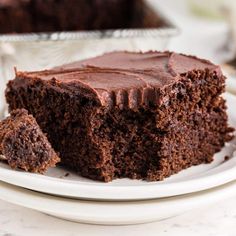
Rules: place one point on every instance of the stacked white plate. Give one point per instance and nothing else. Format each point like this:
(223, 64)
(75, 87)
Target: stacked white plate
(66, 195)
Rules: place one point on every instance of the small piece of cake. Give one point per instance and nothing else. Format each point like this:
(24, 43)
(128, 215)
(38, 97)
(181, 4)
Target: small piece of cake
(23, 144)
(137, 115)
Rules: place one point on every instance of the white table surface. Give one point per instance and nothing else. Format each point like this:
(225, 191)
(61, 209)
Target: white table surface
(205, 39)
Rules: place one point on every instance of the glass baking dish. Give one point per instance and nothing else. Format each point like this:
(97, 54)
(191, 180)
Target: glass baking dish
(36, 51)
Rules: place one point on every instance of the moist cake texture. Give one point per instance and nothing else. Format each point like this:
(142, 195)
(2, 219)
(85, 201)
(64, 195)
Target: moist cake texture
(24, 16)
(24, 145)
(136, 115)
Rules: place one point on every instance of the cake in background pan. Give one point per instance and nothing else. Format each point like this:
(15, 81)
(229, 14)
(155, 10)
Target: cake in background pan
(26, 16)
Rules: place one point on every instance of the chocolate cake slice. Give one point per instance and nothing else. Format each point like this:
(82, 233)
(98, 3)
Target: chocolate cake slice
(23, 144)
(137, 115)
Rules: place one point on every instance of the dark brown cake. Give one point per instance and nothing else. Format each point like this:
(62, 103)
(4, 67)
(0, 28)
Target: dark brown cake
(137, 115)
(24, 145)
(24, 16)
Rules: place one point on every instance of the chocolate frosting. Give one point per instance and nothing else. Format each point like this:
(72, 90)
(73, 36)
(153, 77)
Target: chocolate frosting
(123, 79)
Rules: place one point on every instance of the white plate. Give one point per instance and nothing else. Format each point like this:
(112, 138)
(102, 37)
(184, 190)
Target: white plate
(194, 179)
(231, 83)
(114, 213)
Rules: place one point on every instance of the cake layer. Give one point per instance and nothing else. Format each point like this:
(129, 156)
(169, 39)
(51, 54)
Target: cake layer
(128, 114)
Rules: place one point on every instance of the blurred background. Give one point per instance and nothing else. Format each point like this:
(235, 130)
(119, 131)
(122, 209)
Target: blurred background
(207, 27)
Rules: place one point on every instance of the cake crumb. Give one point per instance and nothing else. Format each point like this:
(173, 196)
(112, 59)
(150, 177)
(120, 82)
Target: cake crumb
(227, 158)
(64, 175)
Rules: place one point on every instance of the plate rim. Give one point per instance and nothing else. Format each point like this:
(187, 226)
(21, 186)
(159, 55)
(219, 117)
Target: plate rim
(113, 213)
